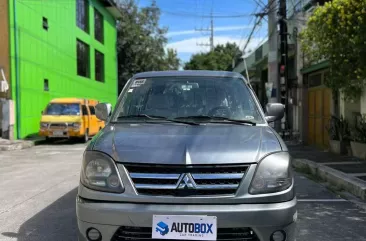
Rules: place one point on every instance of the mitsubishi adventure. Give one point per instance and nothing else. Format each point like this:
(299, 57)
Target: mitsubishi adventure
(187, 155)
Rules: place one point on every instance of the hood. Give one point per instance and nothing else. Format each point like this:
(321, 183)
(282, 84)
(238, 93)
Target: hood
(61, 118)
(186, 145)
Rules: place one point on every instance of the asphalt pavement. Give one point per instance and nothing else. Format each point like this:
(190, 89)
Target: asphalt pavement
(38, 187)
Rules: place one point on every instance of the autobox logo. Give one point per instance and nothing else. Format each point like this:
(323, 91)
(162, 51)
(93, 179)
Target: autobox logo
(162, 228)
(197, 228)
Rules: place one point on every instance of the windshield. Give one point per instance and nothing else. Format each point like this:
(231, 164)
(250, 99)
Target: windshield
(189, 97)
(62, 109)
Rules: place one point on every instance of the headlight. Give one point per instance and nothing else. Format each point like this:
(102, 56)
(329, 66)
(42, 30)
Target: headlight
(273, 174)
(100, 173)
(74, 125)
(44, 125)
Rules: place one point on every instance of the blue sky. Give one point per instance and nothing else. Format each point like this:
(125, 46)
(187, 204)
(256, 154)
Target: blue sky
(182, 35)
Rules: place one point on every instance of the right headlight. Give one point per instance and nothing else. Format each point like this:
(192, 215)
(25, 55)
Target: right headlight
(273, 174)
(100, 173)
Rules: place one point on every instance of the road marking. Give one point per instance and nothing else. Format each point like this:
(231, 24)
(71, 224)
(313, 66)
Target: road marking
(357, 174)
(341, 163)
(322, 200)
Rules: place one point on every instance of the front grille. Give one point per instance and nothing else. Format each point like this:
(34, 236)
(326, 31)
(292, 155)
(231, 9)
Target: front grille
(163, 180)
(145, 234)
(58, 125)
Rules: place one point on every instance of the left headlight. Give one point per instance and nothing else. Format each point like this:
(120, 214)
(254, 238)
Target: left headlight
(100, 173)
(74, 125)
(273, 174)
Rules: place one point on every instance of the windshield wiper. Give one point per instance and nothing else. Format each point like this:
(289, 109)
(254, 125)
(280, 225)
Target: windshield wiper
(217, 118)
(156, 117)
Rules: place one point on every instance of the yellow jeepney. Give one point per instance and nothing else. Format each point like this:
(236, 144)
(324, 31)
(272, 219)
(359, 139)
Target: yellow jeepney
(70, 118)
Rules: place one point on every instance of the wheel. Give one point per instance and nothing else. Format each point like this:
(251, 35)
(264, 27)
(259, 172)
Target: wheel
(86, 136)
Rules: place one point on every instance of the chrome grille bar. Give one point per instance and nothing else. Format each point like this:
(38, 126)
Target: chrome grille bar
(218, 176)
(154, 175)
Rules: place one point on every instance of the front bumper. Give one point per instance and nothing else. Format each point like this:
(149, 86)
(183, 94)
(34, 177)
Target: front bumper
(263, 219)
(66, 133)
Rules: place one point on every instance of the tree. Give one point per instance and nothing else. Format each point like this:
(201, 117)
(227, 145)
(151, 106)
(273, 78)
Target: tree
(141, 42)
(220, 58)
(172, 61)
(337, 32)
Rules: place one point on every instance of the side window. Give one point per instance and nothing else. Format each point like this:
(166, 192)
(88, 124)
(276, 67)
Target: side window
(92, 110)
(84, 109)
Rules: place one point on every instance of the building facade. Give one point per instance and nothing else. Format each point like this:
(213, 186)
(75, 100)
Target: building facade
(51, 49)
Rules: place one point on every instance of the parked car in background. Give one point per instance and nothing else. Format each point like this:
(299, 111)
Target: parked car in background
(70, 118)
(187, 155)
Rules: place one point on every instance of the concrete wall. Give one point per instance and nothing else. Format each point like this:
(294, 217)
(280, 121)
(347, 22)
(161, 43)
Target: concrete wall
(363, 103)
(349, 110)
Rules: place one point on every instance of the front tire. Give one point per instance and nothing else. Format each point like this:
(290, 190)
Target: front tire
(86, 136)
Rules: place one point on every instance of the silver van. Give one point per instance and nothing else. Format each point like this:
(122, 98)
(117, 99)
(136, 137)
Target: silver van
(187, 155)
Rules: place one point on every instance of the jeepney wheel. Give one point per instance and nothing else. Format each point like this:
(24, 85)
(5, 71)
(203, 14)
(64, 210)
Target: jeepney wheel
(86, 136)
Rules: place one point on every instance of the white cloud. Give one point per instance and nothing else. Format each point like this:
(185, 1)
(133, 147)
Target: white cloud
(217, 29)
(190, 45)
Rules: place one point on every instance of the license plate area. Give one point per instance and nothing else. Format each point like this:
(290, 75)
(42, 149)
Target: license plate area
(184, 227)
(57, 133)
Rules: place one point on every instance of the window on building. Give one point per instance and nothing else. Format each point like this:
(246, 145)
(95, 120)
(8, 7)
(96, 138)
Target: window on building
(99, 66)
(92, 110)
(82, 14)
(84, 110)
(99, 26)
(45, 23)
(83, 59)
(45, 85)
(315, 80)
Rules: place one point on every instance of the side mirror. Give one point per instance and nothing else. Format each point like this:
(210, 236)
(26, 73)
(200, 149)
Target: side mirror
(103, 111)
(274, 112)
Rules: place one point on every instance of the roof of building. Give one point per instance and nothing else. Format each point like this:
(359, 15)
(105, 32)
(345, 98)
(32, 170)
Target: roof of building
(112, 8)
(189, 73)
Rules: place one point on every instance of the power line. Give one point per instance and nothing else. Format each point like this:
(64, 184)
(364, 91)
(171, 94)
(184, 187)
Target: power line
(211, 30)
(187, 14)
(251, 33)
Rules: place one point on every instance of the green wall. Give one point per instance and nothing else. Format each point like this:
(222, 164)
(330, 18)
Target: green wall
(39, 54)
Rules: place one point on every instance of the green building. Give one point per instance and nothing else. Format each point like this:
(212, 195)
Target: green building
(51, 49)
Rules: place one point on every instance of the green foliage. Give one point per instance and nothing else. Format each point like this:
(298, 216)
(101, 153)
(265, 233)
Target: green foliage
(219, 59)
(337, 32)
(338, 129)
(359, 133)
(141, 42)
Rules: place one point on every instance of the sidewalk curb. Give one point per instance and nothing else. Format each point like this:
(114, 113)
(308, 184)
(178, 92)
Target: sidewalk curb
(17, 146)
(20, 145)
(337, 178)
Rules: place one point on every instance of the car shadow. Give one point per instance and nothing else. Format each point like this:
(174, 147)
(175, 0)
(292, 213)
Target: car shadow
(57, 222)
(57, 142)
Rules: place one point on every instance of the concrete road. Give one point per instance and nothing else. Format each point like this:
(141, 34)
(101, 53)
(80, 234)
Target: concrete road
(38, 189)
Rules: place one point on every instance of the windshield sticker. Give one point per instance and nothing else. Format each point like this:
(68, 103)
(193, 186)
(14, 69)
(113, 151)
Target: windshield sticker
(186, 87)
(138, 82)
(130, 90)
(249, 117)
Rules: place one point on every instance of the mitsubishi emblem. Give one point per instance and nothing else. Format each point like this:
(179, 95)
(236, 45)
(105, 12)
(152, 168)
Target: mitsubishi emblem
(186, 181)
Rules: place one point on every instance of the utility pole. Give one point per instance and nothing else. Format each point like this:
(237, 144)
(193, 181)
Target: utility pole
(211, 30)
(284, 58)
(273, 76)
